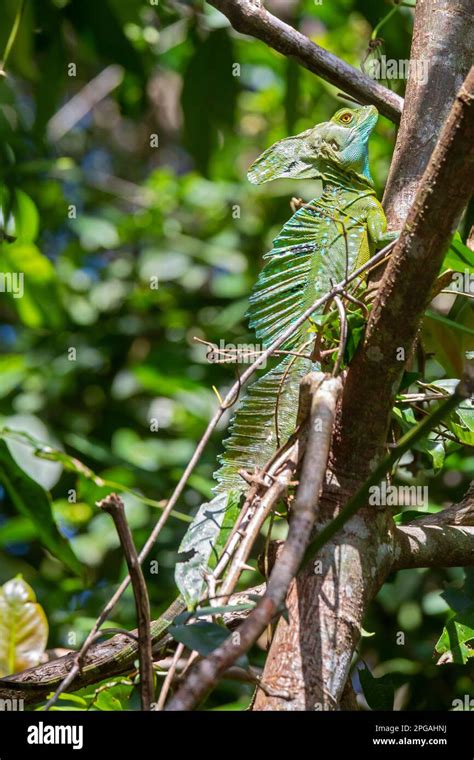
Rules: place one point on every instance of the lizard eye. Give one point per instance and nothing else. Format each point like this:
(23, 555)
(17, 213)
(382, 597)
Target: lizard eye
(346, 118)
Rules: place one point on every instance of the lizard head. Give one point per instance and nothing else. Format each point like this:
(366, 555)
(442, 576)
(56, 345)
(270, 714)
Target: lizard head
(340, 142)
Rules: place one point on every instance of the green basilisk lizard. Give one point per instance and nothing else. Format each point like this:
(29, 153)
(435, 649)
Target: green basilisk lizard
(324, 240)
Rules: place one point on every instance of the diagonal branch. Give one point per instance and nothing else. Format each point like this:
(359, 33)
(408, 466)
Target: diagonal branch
(250, 17)
(442, 43)
(107, 659)
(373, 377)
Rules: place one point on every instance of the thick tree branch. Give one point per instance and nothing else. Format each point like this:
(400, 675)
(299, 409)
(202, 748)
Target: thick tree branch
(372, 381)
(444, 539)
(433, 546)
(250, 17)
(442, 45)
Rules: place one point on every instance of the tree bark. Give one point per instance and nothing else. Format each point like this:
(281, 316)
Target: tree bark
(443, 42)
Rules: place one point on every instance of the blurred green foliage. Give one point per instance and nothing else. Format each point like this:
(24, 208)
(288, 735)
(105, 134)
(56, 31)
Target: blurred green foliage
(137, 231)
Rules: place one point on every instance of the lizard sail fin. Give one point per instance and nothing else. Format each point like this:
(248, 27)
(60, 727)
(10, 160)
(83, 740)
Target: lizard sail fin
(264, 421)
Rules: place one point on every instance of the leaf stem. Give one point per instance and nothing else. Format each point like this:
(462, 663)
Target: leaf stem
(12, 36)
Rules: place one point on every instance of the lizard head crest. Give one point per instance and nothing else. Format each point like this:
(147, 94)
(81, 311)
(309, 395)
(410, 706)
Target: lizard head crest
(340, 142)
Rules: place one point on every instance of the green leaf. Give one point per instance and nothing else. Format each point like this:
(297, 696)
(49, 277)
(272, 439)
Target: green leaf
(19, 217)
(448, 322)
(431, 446)
(356, 323)
(458, 257)
(458, 631)
(202, 544)
(407, 379)
(107, 701)
(461, 420)
(33, 291)
(379, 692)
(23, 627)
(12, 372)
(203, 638)
(461, 599)
(34, 502)
(79, 702)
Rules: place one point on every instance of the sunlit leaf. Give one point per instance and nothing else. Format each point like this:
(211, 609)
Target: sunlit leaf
(202, 544)
(32, 290)
(23, 627)
(457, 634)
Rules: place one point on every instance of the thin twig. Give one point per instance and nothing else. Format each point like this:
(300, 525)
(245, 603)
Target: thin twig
(169, 677)
(343, 335)
(114, 506)
(234, 355)
(263, 509)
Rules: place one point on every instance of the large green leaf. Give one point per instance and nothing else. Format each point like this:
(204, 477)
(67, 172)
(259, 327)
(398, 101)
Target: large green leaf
(203, 543)
(449, 322)
(459, 257)
(23, 627)
(34, 502)
(12, 372)
(19, 217)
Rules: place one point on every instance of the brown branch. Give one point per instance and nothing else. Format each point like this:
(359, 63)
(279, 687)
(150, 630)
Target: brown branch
(433, 546)
(443, 41)
(114, 506)
(250, 17)
(104, 660)
(443, 539)
(325, 393)
(447, 185)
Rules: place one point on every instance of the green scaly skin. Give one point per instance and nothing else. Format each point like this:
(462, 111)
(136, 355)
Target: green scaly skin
(334, 233)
